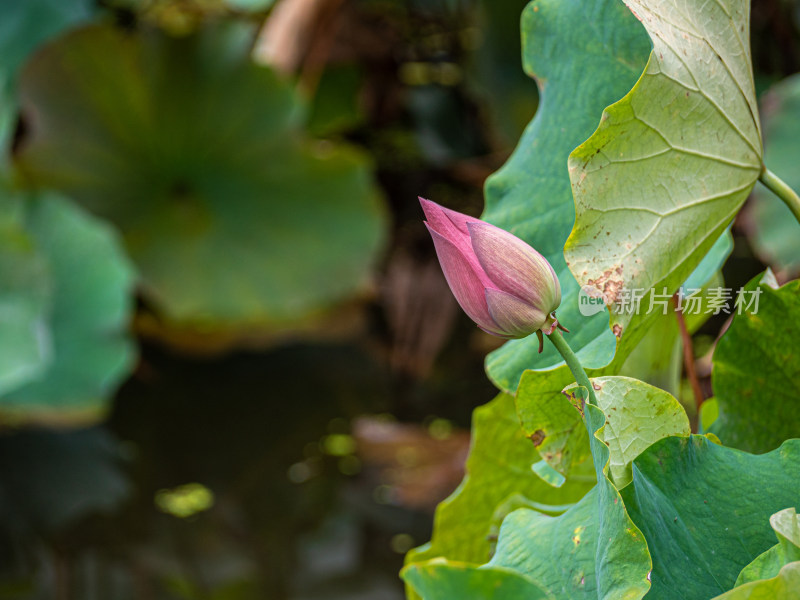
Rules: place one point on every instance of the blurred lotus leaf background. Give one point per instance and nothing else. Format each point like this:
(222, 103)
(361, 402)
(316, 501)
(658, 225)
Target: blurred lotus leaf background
(197, 155)
(230, 367)
(67, 299)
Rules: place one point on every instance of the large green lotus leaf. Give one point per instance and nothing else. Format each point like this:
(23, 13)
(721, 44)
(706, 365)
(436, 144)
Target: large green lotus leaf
(593, 550)
(643, 412)
(23, 26)
(769, 564)
(25, 296)
(195, 153)
(783, 586)
(756, 363)
(91, 282)
(704, 509)
(551, 421)
(673, 161)
(530, 195)
(637, 416)
(775, 232)
(499, 466)
(557, 552)
(442, 580)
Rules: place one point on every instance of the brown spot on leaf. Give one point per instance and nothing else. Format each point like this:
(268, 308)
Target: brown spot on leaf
(578, 403)
(537, 437)
(609, 283)
(576, 537)
(617, 329)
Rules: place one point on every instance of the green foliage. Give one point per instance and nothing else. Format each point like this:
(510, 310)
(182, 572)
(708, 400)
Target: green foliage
(783, 586)
(66, 298)
(704, 510)
(196, 154)
(24, 297)
(570, 543)
(499, 466)
(335, 107)
(774, 231)
(756, 361)
(593, 550)
(711, 263)
(551, 421)
(439, 580)
(655, 187)
(530, 195)
(684, 498)
(23, 26)
(658, 358)
(637, 416)
(769, 564)
(596, 549)
(673, 161)
(628, 178)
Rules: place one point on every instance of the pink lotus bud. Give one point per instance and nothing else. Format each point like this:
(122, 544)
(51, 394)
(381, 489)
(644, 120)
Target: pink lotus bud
(504, 285)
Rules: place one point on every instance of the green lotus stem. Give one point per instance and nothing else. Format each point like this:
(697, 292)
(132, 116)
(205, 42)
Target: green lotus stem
(781, 190)
(573, 363)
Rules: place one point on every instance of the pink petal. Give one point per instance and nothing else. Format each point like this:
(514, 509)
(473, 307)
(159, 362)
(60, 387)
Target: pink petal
(513, 316)
(465, 282)
(441, 221)
(515, 267)
(460, 220)
(449, 223)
